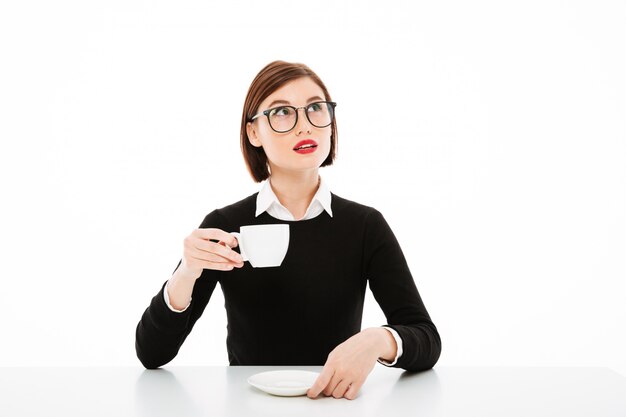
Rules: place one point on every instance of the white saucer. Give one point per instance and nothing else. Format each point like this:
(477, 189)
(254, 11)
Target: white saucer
(287, 383)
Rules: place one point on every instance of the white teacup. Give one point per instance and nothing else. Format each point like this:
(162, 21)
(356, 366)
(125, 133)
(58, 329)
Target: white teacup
(263, 245)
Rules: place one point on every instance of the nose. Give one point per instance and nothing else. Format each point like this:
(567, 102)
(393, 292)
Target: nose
(302, 122)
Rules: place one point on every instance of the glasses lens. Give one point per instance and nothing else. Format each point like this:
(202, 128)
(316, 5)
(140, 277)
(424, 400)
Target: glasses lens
(320, 114)
(282, 119)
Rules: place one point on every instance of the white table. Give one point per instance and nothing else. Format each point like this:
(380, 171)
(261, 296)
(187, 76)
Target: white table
(223, 391)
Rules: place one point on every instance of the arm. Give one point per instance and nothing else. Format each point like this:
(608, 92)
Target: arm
(395, 349)
(167, 298)
(161, 331)
(394, 289)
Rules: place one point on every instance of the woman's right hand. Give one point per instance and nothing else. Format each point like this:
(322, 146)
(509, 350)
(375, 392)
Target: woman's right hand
(200, 253)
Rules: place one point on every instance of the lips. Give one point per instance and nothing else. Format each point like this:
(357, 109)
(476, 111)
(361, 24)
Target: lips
(305, 144)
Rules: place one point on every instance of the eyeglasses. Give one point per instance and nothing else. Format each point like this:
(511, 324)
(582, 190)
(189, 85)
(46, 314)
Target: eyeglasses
(284, 118)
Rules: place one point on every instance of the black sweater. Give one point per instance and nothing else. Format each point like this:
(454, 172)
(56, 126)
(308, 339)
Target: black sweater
(297, 313)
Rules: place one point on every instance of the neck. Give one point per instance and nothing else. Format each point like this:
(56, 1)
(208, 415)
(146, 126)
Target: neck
(295, 191)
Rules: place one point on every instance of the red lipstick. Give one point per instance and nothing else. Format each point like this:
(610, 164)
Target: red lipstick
(305, 146)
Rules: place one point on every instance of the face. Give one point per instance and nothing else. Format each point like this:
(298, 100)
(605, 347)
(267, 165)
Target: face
(279, 147)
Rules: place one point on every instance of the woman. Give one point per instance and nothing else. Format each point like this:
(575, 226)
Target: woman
(308, 310)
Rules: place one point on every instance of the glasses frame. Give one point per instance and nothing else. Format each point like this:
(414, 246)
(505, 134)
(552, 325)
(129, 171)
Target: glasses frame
(331, 104)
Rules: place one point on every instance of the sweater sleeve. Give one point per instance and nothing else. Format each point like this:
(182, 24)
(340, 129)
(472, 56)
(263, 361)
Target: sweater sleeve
(161, 332)
(394, 289)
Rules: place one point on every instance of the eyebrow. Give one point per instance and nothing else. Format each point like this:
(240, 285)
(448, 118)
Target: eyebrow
(286, 102)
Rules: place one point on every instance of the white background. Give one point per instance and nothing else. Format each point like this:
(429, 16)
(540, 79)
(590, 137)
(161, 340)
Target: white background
(491, 136)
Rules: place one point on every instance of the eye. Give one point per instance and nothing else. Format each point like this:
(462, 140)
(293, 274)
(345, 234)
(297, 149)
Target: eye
(281, 112)
(315, 107)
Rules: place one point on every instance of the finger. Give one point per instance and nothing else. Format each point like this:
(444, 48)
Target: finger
(321, 382)
(216, 234)
(217, 249)
(224, 251)
(206, 256)
(353, 391)
(203, 245)
(341, 388)
(220, 266)
(332, 385)
(209, 256)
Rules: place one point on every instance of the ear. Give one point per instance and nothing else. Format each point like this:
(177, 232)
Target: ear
(252, 135)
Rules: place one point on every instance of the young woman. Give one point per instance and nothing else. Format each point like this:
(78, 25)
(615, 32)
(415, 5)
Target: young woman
(308, 310)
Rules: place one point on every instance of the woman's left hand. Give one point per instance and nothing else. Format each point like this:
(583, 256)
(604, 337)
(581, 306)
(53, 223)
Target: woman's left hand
(349, 364)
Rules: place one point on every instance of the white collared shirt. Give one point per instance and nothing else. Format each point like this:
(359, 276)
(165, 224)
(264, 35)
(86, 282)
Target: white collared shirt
(266, 200)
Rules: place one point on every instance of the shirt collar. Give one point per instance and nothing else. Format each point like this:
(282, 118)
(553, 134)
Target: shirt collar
(267, 197)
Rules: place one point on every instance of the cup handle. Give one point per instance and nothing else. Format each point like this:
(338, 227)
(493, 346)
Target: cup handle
(238, 237)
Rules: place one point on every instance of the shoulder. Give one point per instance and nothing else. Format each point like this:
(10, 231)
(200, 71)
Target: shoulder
(234, 212)
(240, 208)
(352, 216)
(351, 209)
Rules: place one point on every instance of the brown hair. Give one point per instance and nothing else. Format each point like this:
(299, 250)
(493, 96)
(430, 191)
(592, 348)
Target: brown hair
(273, 76)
